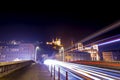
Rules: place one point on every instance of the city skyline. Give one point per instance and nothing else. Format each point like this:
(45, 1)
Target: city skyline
(60, 43)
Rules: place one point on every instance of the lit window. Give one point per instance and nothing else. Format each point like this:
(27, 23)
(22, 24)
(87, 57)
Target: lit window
(14, 50)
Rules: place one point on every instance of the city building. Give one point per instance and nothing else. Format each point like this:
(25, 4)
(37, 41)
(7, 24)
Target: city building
(77, 55)
(56, 43)
(73, 56)
(92, 50)
(111, 56)
(17, 51)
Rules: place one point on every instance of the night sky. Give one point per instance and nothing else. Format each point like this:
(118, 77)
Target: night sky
(43, 26)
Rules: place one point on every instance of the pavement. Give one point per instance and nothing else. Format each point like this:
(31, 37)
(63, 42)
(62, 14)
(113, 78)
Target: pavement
(34, 72)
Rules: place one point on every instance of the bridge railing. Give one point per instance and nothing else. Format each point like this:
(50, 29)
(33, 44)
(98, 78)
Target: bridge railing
(8, 67)
(111, 65)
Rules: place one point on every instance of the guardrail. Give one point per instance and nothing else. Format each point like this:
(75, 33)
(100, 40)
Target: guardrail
(56, 75)
(111, 65)
(8, 67)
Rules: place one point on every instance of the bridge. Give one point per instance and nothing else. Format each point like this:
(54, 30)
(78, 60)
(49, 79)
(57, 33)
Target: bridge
(99, 60)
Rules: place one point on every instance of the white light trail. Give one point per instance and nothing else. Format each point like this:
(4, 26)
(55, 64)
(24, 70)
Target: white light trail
(88, 72)
(106, 29)
(109, 42)
(102, 31)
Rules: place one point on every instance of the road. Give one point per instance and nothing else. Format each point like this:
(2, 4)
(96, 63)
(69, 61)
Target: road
(81, 72)
(33, 72)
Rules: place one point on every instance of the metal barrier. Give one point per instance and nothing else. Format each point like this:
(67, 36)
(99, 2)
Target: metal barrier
(53, 74)
(8, 67)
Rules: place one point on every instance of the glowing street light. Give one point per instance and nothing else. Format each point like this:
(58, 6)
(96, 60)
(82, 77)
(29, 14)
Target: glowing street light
(61, 51)
(36, 49)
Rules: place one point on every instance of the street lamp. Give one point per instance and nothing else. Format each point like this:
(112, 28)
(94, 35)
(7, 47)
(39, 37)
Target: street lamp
(61, 51)
(37, 48)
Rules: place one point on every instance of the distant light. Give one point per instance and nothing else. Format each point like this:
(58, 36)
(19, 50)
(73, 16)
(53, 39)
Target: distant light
(49, 43)
(17, 59)
(49, 62)
(109, 42)
(37, 47)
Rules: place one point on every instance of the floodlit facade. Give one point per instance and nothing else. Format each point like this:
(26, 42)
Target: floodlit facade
(73, 56)
(56, 42)
(77, 55)
(21, 51)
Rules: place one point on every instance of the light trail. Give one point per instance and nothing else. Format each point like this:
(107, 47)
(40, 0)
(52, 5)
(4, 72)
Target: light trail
(98, 33)
(89, 71)
(99, 74)
(109, 42)
(104, 40)
(102, 31)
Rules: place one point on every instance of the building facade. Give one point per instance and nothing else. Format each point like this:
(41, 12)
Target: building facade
(13, 52)
(111, 56)
(77, 55)
(73, 56)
